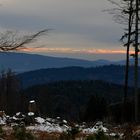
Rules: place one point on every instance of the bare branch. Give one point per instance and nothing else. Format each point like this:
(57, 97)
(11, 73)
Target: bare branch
(10, 40)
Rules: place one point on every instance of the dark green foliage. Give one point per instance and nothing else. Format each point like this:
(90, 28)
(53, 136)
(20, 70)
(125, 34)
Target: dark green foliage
(70, 134)
(20, 133)
(116, 111)
(98, 136)
(9, 92)
(101, 136)
(97, 109)
(73, 132)
(2, 133)
(64, 136)
(69, 99)
(91, 137)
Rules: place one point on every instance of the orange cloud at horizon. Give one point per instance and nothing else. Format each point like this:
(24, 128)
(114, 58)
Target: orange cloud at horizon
(73, 50)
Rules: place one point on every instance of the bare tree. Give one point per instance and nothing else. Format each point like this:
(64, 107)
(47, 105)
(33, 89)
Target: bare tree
(129, 39)
(132, 38)
(123, 13)
(11, 40)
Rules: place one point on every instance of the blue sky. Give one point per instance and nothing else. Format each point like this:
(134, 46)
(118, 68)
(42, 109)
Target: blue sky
(80, 27)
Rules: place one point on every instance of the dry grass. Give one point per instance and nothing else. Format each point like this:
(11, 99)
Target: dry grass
(40, 135)
(47, 136)
(130, 132)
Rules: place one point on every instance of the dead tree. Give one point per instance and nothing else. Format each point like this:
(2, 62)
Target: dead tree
(11, 40)
(123, 13)
(132, 38)
(129, 39)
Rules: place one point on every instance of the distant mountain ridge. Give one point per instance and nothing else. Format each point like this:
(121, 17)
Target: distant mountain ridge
(21, 62)
(111, 73)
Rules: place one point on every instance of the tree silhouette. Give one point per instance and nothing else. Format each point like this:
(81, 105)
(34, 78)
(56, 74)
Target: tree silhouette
(136, 45)
(129, 16)
(96, 109)
(9, 92)
(11, 40)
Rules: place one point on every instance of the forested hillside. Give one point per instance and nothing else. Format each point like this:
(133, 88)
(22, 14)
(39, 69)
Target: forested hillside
(70, 99)
(111, 73)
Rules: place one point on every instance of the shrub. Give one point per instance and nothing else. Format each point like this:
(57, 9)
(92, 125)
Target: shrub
(73, 132)
(70, 134)
(91, 137)
(20, 133)
(2, 133)
(100, 135)
(65, 136)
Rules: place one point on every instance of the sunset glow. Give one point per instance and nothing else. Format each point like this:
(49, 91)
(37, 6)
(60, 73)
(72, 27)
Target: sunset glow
(79, 28)
(72, 50)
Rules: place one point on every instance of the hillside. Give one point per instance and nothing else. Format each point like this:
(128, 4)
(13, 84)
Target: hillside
(69, 99)
(111, 73)
(21, 62)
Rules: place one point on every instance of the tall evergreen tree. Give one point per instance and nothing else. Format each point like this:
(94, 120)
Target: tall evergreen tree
(9, 92)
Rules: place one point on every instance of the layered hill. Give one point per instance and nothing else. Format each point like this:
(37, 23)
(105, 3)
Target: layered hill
(21, 62)
(110, 73)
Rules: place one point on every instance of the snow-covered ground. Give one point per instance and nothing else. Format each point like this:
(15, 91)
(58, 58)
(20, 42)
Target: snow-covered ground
(52, 125)
(55, 125)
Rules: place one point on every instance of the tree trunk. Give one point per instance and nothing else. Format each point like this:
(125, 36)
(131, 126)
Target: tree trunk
(127, 62)
(136, 62)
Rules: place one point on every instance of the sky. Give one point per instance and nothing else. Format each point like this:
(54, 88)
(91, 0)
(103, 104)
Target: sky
(80, 28)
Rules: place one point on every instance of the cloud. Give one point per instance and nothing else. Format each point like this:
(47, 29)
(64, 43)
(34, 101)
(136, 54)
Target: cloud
(77, 24)
(75, 12)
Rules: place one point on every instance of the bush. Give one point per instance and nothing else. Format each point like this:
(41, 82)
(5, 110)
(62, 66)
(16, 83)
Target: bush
(2, 133)
(73, 132)
(101, 136)
(64, 136)
(70, 134)
(98, 136)
(91, 137)
(20, 133)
